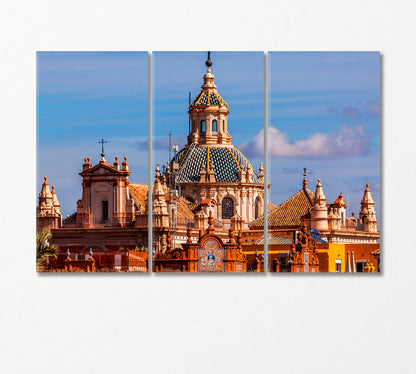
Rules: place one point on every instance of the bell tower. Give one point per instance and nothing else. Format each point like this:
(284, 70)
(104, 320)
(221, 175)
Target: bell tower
(368, 220)
(209, 114)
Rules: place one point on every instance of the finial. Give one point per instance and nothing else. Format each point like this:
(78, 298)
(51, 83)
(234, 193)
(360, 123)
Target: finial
(189, 233)
(210, 229)
(157, 180)
(305, 181)
(53, 189)
(231, 235)
(45, 180)
(210, 219)
(319, 181)
(208, 62)
(169, 241)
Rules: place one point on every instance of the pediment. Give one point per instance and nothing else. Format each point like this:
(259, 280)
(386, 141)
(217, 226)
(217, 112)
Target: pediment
(103, 169)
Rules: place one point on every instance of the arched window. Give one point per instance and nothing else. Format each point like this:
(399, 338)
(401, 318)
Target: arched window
(227, 207)
(214, 126)
(257, 207)
(202, 127)
(223, 125)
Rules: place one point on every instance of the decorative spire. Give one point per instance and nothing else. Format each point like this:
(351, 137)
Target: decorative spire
(368, 219)
(319, 193)
(45, 192)
(305, 181)
(55, 201)
(157, 175)
(261, 174)
(367, 198)
(319, 211)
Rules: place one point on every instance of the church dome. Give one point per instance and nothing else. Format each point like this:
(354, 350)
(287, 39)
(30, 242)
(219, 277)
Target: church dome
(227, 162)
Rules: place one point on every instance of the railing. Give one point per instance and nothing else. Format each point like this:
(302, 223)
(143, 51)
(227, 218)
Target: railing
(100, 263)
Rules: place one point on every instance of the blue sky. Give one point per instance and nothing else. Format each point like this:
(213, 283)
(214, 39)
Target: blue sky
(325, 116)
(239, 77)
(82, 97)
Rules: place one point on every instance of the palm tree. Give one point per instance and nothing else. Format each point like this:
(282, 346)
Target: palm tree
(44, 248)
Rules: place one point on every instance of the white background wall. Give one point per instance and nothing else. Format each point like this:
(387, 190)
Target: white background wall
(207, 324)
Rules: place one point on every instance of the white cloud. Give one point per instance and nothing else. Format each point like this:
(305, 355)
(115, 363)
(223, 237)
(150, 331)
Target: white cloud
(344, 142)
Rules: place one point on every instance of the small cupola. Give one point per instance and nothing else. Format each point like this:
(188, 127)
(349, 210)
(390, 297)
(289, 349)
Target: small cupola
(209, 114)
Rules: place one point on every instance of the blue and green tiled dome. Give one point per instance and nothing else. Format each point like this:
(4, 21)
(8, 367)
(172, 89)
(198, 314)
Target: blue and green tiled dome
(208, 98)
(227, 163)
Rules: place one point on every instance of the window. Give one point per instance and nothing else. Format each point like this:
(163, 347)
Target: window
(214, 126)
(360, 264)
(257, 206)
(202, 127)
(227, 206)
(338, 264)
(105, 210)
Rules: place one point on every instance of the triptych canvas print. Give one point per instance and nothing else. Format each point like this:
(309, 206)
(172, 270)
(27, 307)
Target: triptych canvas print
(208, 162)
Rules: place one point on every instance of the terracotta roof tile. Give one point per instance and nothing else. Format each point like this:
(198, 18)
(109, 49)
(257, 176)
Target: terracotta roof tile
(271, 206)
(289, 212)
(183, 210)
(140, 192)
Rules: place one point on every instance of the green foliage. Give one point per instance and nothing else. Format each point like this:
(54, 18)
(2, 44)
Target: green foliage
(45, 247)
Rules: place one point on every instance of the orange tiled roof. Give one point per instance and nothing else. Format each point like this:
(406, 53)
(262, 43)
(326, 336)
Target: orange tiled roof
(139, 192)
(271, 206)
(183, 210)
(289, 212)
